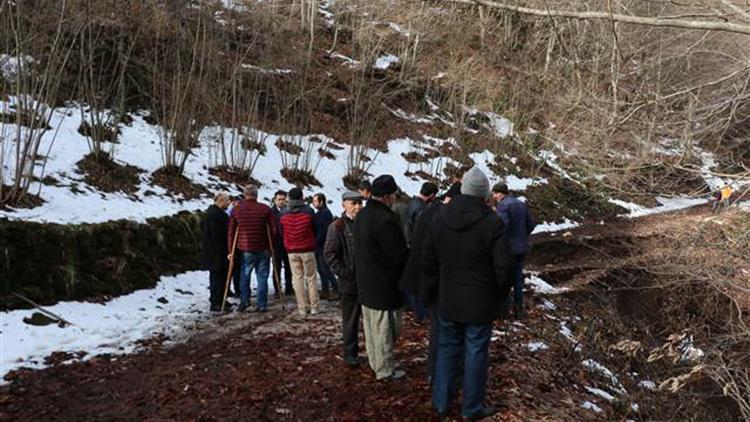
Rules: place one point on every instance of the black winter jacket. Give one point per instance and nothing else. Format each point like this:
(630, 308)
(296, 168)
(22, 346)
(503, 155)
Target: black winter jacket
(467, 259)
(412, 280)
(339, 253)
(380, 255)
(413, 209)
(214, 242)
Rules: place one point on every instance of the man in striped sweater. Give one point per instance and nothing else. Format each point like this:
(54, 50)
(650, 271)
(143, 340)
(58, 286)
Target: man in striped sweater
(254, 225)
(298, 231)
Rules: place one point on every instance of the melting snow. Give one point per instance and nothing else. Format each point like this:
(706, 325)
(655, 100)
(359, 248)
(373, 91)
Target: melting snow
(536, 346)
(591, 406)
(384, 62)
(601, 393)
(541, 286)
(647, 385)
(113, 327)
(665, 205)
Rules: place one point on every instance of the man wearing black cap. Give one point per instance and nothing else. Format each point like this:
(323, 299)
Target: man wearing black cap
(415, 207)
(339, 252)
(380, 255)
(519, 224)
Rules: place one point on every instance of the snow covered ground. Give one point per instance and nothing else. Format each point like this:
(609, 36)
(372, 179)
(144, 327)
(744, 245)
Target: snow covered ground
(139, 145)
(665, 205)
(114, 327)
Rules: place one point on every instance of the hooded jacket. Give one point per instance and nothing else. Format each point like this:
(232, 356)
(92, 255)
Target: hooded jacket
(467, 261)
(518, 221)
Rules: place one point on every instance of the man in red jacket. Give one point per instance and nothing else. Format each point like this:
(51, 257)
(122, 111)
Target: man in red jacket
(254, 224)
(298, 231)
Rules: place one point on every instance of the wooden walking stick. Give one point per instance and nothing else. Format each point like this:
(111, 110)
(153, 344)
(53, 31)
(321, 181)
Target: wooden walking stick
(276, 270)
(231, 267)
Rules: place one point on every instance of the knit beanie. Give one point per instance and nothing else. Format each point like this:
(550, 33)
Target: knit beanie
(475, 183)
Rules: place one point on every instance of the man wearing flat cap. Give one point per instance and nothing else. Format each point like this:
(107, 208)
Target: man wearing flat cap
(339, 253)
(380, 256)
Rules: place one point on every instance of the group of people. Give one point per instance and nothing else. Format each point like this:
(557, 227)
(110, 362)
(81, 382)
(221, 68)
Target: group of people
(453, 258)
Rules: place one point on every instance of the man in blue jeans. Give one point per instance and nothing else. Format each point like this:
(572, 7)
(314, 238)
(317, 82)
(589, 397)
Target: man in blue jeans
(519, 224)
(254, 225)
(466, 262)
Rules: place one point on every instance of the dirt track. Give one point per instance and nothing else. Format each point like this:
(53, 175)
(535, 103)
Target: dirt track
(275, 366)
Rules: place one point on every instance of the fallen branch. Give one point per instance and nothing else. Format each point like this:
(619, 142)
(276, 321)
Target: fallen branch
(636, 20)
(39, 307)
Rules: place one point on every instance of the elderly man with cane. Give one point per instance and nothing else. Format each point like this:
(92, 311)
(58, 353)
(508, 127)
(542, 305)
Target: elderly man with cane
(214, 245)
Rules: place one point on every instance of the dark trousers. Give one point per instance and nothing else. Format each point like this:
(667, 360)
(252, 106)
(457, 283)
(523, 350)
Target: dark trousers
(327, 279)
(420, 310)
(351, 313)
(432, 346)
(518, 279)
(237, 273)
(216, 280)
(280, 257)
(475, 340)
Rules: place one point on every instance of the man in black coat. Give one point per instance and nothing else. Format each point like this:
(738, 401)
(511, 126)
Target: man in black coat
(339, 254)
(412, 282)
(214, 245)
(278, 206)
(380, 255)
(467, 261)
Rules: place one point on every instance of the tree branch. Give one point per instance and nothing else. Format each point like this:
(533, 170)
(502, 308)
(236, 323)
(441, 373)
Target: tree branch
(636, 20)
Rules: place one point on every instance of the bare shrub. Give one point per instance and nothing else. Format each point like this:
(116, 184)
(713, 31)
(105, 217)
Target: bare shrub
(37, 53)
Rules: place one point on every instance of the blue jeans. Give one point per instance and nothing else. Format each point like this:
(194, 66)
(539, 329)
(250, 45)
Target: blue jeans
(518, 279)
(259, 261)
(326, 275)
(475, 339)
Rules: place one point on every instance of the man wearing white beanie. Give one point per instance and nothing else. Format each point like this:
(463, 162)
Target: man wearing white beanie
(466, 260)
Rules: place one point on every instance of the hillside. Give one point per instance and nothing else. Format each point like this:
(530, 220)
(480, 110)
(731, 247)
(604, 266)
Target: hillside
(120, 121)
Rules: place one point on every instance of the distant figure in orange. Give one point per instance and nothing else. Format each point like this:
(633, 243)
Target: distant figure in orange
(721, 198)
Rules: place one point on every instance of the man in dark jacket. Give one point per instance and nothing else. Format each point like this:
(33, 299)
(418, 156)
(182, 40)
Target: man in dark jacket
(298, 232)
(254, 224)
(466, 259)
(214, 244)
(323, 218)
(339, 252)
(519, 224)
(415, 207)
(278, 205)
(380, 252)
(412, 281)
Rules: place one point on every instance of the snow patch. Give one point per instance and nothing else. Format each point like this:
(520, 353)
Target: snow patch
(113, 327)
(665, 205)
(647, 385)
(591, 406)
(600, 393)
(540, 286)
(384, 62)
(536, 346)
(555, 227)
(10, 66)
